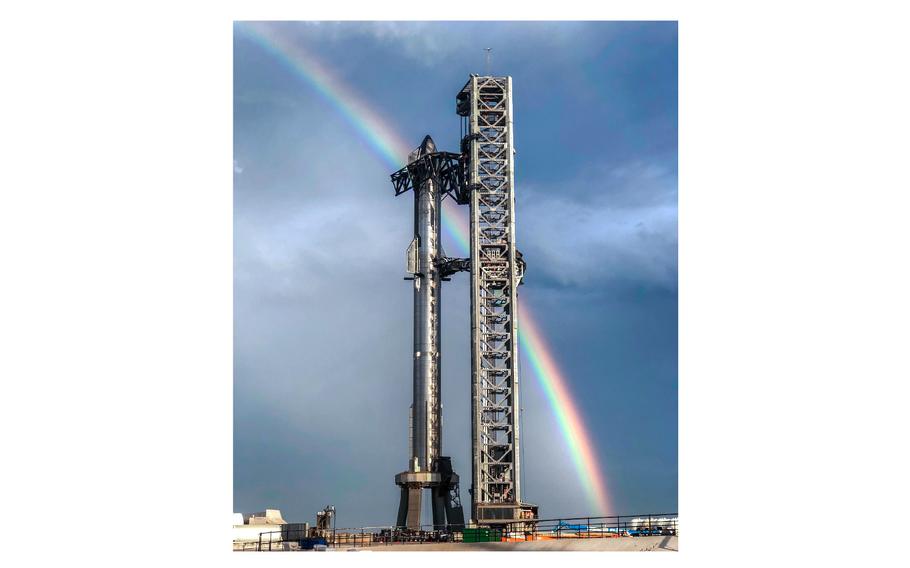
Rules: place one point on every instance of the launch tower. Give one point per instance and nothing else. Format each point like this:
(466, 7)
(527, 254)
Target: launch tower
(485, 105)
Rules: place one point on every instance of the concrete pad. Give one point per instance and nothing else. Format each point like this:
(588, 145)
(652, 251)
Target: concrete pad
(640, 544)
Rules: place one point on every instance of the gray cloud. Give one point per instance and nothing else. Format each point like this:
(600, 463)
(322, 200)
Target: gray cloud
(322, 352)
(612, 224)
(427, 43)
(322, 326)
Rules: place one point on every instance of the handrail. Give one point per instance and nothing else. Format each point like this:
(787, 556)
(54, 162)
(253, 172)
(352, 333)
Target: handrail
(528, 529)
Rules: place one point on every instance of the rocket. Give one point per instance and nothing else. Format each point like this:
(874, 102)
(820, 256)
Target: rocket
(424, 265)
(423, 255)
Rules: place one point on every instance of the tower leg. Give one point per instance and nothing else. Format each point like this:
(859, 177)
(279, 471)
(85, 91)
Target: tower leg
(410, 506)
(403, 508)
(439, 507)
(454, 511)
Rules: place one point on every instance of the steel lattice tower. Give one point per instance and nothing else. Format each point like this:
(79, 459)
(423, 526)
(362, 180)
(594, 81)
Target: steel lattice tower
(485, 103)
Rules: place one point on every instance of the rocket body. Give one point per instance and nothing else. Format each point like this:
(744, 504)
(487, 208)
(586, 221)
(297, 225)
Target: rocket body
(426, 409)
(426, 174)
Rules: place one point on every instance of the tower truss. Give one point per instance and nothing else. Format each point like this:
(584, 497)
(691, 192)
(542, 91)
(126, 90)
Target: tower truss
(487, 160)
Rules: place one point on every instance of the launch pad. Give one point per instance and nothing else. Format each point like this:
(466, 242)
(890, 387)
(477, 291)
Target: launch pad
(481, 176)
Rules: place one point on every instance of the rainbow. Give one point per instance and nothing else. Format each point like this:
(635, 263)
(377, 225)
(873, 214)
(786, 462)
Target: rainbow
(556, 388)
(385, 142)
(392, 149)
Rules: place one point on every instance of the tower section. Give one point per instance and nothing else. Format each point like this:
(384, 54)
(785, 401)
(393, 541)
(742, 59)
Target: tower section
(496, 267)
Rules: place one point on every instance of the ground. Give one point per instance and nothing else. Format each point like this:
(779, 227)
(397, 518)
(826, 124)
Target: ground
(644, 543)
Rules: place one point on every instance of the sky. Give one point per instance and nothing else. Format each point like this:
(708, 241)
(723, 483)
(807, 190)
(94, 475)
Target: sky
(322, 317)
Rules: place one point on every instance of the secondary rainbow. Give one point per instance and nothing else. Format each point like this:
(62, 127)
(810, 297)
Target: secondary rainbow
(391, 148)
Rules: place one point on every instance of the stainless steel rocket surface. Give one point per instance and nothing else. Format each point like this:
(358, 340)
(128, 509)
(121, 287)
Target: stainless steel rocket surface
(425, 410)
(427, 173)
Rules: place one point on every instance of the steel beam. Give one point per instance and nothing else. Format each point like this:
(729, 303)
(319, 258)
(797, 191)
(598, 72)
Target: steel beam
(485, 103)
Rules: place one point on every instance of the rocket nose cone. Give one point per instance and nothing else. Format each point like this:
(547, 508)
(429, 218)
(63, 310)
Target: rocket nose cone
(427, 146)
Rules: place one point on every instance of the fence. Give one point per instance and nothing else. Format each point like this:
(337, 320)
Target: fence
(527, 530)
(593, 527)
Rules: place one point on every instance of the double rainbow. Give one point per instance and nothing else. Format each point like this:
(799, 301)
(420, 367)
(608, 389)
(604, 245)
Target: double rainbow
(388, 145)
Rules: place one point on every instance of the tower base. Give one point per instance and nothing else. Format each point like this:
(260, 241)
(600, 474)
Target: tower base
(490, 515)
(448, 513)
